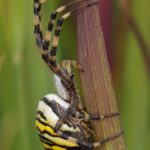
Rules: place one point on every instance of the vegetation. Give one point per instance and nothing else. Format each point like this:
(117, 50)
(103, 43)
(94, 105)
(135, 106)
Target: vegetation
(24, 78)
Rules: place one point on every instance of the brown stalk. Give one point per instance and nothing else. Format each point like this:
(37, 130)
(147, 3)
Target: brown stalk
(96, 81)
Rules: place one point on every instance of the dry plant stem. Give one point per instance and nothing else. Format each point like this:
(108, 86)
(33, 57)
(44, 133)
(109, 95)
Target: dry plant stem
(96, 81)
(125, 5)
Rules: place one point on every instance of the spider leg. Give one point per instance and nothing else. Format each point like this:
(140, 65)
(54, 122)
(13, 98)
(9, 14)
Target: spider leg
(99, 143)
(71, 111)
(62, 119)
(44, 43)
(37, 23)
(44, 128)
(52, 20)
(46, 131)
(86, 116)
(81, 116)
(68, 64)
(91, 145)
(105, 116)
(50, 58)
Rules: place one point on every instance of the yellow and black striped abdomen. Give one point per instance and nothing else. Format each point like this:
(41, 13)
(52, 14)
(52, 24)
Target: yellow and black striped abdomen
(50, 139)
(72, 131)
(48, 113)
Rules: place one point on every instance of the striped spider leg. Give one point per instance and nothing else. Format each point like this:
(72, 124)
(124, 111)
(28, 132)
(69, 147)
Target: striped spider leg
(54, 130)
(49, 57)
(43, 44)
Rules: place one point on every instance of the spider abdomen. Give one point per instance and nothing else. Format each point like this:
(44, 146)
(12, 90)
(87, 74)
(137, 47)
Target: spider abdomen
(49, 111)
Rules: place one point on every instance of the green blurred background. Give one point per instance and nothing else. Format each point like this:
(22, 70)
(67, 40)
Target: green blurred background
(24, 78)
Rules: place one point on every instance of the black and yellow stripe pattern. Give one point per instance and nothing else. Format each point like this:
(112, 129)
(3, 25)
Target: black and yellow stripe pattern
(49, 138)
(68, 137)
(43, 43)
(74, 134)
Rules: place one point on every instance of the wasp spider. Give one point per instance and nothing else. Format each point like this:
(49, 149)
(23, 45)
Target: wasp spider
(61, 121)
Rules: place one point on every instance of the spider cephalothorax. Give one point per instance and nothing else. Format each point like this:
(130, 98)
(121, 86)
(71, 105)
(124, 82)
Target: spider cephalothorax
(61, 121)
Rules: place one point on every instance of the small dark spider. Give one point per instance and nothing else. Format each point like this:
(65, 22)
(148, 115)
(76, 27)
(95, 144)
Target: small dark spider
(62, 122)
